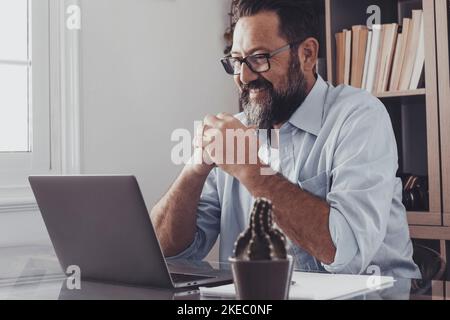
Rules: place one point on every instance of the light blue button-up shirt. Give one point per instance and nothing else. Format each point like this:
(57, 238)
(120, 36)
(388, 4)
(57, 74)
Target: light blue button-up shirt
(340, 146)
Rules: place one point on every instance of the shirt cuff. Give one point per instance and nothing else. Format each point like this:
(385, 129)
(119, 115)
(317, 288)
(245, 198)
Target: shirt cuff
(188, 253)
(344, 241)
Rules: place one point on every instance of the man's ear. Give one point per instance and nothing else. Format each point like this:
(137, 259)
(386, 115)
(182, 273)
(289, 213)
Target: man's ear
(308, 53)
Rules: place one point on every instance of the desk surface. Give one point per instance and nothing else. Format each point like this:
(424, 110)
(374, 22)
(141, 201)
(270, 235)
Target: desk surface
(34, 273)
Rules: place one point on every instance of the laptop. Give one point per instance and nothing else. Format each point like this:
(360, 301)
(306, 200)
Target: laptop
(101, 225)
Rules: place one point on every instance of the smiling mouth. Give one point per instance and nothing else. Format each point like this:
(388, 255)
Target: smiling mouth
(257, 91)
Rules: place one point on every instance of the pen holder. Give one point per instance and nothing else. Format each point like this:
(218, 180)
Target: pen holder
(262, 280)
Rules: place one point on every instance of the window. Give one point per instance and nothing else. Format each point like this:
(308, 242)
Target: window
(15, 67)
(25, 127)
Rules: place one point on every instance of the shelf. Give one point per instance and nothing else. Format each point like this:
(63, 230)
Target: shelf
(399, 94)
(447, 219)
(438, 290)
(428, 232)
(447, 290)
(424, 218)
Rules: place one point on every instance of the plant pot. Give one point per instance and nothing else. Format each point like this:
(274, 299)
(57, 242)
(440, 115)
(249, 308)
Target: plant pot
(262, 280)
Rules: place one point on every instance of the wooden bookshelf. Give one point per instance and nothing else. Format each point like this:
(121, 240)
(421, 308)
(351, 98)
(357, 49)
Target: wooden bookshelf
(438, 290)
(447, 291)
(400, 94)
(424, 218)
(343, 14)
(432, 102)
(442, 36)
(430, 232)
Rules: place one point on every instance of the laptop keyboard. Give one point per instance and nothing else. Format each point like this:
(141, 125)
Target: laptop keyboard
(182, 277)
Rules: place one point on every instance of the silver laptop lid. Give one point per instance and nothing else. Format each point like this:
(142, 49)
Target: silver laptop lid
(101, 224)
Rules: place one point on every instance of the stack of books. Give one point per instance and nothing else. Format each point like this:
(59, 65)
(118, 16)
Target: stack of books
(383, 58)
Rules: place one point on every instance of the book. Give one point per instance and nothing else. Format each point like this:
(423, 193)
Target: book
(387, 55)
(355, 50)
(359, 36)
(411, 50)
(340, 57)
(399, 60)
(367, 59)
(378, 70)
(348, 56)
(371, 70)
(420, 59)
(397, 63)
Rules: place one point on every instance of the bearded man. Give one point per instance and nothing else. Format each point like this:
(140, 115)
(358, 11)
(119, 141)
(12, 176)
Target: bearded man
(335, 192)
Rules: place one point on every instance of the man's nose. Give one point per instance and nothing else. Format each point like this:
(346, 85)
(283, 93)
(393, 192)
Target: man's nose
(247, 75)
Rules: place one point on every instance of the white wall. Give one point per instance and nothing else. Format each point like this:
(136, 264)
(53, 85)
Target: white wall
(149, 67)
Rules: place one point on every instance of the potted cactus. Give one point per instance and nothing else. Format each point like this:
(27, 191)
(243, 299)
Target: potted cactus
(261, 267)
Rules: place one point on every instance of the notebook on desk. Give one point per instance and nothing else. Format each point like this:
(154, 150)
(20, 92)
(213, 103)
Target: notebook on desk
(317, 286)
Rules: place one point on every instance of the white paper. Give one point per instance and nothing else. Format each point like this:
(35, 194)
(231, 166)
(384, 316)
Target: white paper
(318, 286)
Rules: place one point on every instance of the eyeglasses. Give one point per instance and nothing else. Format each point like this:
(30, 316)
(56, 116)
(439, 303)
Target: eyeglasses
(257, 63)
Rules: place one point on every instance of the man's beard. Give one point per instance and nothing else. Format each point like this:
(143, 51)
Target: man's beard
(276, 107)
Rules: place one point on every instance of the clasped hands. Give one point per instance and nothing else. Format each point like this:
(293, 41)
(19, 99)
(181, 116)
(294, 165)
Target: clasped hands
(225, 142)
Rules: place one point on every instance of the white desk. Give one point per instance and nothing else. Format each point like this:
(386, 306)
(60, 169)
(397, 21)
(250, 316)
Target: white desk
(34, 273)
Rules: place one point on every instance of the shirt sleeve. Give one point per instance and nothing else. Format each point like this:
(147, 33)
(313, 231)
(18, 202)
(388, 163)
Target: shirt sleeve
(343, 240)
(364, 169)
(208, 222)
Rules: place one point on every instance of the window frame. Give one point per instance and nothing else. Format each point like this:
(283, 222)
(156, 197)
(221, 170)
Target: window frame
(55, 107)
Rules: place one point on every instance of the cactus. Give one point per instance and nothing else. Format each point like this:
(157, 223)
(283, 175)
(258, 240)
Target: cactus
(261, 241)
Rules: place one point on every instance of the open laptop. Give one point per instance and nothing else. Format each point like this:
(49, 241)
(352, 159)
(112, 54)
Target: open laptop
(101, 225)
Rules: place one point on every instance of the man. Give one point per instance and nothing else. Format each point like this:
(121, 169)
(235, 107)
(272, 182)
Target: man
(336, 196)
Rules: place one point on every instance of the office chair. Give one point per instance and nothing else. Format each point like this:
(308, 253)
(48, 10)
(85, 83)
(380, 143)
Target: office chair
(430, 264)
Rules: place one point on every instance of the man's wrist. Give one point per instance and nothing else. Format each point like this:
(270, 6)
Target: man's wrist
(253, 177)
(202, 170)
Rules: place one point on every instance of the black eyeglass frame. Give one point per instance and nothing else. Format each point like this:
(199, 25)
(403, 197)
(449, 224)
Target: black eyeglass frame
(267, 56)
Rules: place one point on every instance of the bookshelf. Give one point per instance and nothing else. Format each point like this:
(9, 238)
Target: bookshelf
(421, 117)
(442, 40)
(404, 93)
(343, 14)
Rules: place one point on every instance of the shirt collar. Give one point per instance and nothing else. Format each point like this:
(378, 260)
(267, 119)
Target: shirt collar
(309, 115)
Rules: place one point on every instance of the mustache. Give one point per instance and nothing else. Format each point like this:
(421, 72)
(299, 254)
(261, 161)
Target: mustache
(258, 84)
